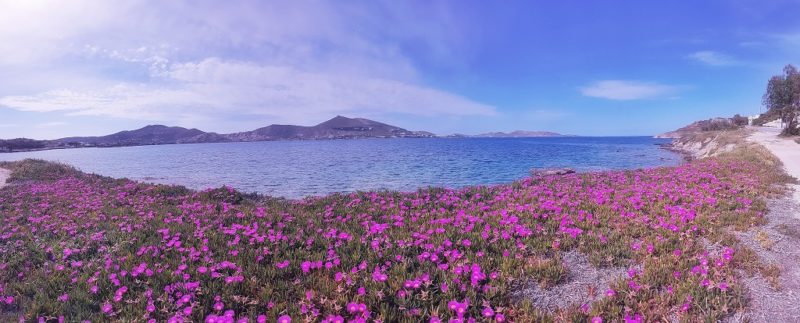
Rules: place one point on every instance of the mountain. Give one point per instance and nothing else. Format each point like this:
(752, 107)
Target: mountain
(520, 134)
(337, 128)
(149, 135)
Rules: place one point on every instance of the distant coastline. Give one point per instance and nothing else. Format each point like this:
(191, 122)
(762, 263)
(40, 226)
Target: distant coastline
(338, 127)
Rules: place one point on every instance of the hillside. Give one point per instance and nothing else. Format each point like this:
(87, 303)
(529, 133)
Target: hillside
(149, 135)
(713, 124)
(337, 128)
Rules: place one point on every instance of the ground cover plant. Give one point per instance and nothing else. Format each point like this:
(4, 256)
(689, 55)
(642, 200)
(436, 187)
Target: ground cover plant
(83, 247)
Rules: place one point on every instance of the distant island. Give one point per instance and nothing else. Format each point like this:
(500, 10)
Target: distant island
(520, 134)
(337, 128)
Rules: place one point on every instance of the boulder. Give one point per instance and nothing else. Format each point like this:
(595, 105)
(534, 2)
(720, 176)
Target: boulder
(538, 172)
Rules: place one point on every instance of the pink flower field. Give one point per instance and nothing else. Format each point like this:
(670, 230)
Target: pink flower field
(77, 247)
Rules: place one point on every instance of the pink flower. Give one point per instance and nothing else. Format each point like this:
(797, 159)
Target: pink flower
(283, 264)
(459, 307)
(727, 253)
(305, 266)
(119, 293)
(597, 319)
(284, 319)
(64, 297)
(688, 304)
(610, 293)
(636, 318)
(334, 319)
(378, 276)
(106, 308)
(499, 317)
(487, 312)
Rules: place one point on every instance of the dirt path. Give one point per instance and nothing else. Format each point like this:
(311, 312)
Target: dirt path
(4, 174)
(776, 243)
(787, 150)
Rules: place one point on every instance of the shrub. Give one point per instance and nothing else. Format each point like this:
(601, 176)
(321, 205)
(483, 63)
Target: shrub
(39, 170)
(740, 120)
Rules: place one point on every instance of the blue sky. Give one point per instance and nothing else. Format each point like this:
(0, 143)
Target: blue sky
(579, 67)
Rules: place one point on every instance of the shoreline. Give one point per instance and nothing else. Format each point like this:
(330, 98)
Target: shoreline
(346, 166)
(316, 139)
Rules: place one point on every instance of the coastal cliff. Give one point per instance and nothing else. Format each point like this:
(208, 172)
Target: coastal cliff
(708, 138)
(699, 145)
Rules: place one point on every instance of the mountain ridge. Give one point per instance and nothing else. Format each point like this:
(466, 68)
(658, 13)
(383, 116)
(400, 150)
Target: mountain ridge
(338, 127)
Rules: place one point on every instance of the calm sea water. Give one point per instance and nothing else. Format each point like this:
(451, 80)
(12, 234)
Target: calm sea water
(300, 168)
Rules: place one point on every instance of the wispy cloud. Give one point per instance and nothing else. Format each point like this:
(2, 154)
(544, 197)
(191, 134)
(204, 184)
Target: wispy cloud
(627, 90)
(289, 62)
(214, 86)
(713, 58)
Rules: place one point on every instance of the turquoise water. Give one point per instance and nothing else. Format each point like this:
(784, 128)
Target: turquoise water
(300, 168)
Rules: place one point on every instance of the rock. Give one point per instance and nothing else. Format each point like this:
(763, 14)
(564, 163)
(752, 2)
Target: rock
(538, 172)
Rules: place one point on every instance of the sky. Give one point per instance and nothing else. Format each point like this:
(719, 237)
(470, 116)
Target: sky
(597, 68)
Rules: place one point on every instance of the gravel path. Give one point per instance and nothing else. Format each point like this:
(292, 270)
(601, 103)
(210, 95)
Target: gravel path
(584, 285)
(4, 174)
(775, 243)
(787, 150)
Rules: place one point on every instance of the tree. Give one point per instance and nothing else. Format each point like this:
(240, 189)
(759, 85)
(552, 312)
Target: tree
(783, 97)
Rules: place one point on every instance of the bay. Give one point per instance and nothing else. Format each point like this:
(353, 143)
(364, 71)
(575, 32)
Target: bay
(295, 169)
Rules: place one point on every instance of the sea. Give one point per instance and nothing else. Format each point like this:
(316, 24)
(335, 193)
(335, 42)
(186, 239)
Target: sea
(297, 169)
